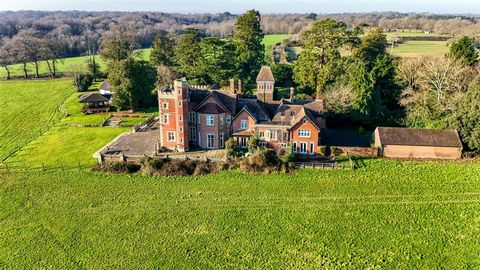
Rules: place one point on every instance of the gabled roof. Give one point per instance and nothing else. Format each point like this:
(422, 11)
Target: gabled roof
(227, 103)
(419, 137)
(105, 85)
(253, 108)
(304, 113)
(92, 97)
(211, 108)
(265, 74)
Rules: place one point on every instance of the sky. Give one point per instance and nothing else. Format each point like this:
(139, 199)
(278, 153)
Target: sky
(239, 6)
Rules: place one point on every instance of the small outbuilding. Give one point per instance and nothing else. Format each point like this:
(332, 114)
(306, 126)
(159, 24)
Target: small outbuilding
(418, 143)
(105, 88)
(95, 103)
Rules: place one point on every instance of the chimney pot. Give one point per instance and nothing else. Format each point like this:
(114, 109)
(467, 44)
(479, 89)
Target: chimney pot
(292, 93)
(240, 87)
(232, 86)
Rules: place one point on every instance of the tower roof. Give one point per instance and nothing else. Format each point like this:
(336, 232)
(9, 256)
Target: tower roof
(265, 74)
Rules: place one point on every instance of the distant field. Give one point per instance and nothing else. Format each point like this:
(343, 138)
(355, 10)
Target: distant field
(419, 48)
(28, 108)
(70, 65)
(410, 34)
(389, 215)
(270, 40)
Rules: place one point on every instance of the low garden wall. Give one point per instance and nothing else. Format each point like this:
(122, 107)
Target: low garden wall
(355, 151)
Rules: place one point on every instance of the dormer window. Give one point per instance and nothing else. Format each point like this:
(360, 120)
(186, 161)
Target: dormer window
(305, 120)
(292, 114)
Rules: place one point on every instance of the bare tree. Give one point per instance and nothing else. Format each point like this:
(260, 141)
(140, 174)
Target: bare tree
(27, 46)
(53, 50)
(6, 56)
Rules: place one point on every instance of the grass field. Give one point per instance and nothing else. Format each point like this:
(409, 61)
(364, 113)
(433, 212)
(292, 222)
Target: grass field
(29, 108)
(70, 65)
(392, 215)
(270, 40)
(419, 48)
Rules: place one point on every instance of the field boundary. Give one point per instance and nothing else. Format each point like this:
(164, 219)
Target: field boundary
(55, 118)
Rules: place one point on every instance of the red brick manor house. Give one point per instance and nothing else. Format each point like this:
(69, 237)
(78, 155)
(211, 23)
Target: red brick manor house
(206, 118)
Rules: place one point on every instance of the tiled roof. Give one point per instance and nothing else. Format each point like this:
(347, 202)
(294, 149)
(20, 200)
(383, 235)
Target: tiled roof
(243, 133)
(305, 113)
(211, 108)
(226, 100)
(419, 137)
(265, 74)
(253, 108)
(93, 97)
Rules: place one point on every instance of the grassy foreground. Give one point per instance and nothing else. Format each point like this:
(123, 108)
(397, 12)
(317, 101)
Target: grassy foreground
(29, 108)
(388, 215)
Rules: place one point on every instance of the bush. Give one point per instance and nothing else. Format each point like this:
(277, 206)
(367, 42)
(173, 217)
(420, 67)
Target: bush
(82, 81)
(333, 151)
(118, 167)
(177, 167)
(323, 150)
(151, 166)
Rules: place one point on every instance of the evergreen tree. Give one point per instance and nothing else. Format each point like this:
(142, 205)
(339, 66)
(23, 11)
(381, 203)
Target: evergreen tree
(162, 51)
(216, 63)
(250, 52)
(321, 63)
(465, 51)
(467, 117)
(188, 54)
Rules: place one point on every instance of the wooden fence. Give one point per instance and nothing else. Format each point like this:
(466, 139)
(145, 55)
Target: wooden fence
(7, 167)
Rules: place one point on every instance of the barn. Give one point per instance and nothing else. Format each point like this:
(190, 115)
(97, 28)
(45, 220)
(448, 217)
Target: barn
(418, 143)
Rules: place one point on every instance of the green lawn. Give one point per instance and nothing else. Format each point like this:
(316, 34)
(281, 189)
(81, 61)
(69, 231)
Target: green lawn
(29, 108)
(73, 109)
(69, 145)
(391, 215)
(420, 48)
(270, 40)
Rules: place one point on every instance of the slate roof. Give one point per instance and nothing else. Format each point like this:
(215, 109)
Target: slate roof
(92, 97)
(302, 114)
(419, 137)
(211, 108)
(105, 85)
(265, 74)
(253, 108)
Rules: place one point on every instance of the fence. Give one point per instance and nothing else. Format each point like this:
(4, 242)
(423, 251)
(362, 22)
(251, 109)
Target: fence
(319, 165)
(7, 167)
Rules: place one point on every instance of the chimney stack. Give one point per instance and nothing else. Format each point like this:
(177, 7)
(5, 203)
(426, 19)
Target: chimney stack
(232, 86)
(292, 92)
(239, 87)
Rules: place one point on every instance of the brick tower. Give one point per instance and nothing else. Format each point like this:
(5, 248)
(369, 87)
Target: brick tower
(265, 85)
(173, 107)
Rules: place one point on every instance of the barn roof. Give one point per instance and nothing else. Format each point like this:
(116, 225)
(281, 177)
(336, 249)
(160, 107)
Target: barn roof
(92, 97)
(419, 137)
(265, 74)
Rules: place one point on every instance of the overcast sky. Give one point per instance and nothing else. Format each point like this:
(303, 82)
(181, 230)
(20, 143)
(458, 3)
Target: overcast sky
(239, 6)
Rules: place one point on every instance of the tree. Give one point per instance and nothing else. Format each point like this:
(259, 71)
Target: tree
(187, 54)
(82, 81)
(249, 50)
(467, 117)
(321, 63)
(6, 57)
(162, 50)
(118, 44)
(464, 50)
(442, 82)
(216, 63)
(27, 48)
(53, 50)
(133, 81)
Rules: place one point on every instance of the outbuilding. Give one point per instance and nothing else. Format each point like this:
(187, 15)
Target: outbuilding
(418, 143)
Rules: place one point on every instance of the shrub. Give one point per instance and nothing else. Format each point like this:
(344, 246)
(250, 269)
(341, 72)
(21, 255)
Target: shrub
(118, 167)
(253, 144)
(82, 81)
(151, 166)
(323, 150)
(333, 151)
(230, 147)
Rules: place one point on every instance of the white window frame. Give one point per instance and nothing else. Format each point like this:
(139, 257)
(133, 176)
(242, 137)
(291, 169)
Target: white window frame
(172, 137)
(199, 138)
(212, 136)
(312, 148)
(304, 150)
(180, 118)
(221, 120)
(199, 118)
(165, 105)
(208, 118)
(261, 134)
(166, 119)
(229, 119)
(243, 124)
(273, 135)
(243, 142)
(180, 104)
(262, 144)
(304, 133)
(180, 129)
(294, 147)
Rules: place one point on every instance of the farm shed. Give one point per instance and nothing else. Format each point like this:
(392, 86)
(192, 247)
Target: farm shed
(418, 143)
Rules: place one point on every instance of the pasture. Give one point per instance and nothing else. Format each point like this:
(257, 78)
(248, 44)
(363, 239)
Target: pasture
(29, 108)
(419, 48)
(394, 215)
